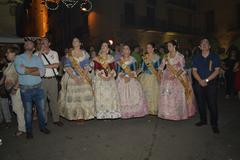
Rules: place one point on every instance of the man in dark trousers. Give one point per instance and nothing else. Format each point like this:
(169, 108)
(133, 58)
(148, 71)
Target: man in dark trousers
(206, 66)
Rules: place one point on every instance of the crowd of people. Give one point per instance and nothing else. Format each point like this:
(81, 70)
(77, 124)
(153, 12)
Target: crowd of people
(110, 84)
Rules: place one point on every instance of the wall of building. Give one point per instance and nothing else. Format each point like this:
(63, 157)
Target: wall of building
(226, 19)
(7, 20)
(107, 22)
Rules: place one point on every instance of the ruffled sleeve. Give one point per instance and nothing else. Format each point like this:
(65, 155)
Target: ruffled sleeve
(67, 63)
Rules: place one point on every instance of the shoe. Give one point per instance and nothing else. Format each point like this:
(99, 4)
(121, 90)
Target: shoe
(45, 131)
(215, 130)
(58, 123)
(199, 124)
(29, 136)
(19, 133)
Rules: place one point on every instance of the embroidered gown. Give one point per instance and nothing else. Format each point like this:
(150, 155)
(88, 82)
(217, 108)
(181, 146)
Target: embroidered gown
(77, 100)
(173, 104)
(150, 85)
(132, 99)
(106, 94)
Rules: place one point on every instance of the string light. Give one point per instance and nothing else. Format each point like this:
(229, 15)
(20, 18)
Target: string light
(85, 6)
(70, 3)
(54, 4)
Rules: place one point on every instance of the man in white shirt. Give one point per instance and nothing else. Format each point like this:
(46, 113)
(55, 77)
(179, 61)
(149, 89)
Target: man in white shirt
(50, 85)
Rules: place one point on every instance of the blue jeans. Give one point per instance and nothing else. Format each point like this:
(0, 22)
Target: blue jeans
(29, 97)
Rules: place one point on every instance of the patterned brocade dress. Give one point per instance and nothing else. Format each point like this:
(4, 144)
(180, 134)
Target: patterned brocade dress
(150, 85)
(77, 100)
(132, 99)
(106, 94)
(173, 103)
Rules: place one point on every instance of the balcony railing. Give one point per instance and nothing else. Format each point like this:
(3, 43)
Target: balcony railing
(187, 4)
(144, 23)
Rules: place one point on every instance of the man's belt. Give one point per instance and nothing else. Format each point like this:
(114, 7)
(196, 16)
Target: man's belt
(49, 77)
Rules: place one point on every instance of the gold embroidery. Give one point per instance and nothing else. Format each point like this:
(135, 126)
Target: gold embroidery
(150, 65)
(77, 68)
(182, 78)
(126, 68)
(103, 61)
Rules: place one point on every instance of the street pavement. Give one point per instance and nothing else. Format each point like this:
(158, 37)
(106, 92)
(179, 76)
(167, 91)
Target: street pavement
(148, 138)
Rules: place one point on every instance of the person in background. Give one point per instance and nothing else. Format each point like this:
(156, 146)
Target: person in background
(223, 57)
(188, 63)
(11, 83)
(137, 56)
(38, 44)
(50, 83)
(5, 114)
(30, 69)
(206, 68)
(118, 53)
(62, 62)
(230, 63)
(237, 77)
(161, 51)
(93, 54)
(91, 49)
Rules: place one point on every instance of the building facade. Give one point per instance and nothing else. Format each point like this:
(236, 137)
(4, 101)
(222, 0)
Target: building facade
(7, 19)
(221, 19)
(145, 21)
(138, 21)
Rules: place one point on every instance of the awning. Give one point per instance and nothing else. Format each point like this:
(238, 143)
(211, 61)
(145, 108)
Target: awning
(11, 40)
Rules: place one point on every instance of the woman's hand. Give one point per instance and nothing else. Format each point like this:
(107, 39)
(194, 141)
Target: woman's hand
(101, 75)
(76, 79)
(121, 75)
(159, 77)
(171, 76)
(126, 79)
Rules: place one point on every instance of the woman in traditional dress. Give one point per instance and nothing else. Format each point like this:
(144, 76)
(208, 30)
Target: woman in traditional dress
(149, 78)
(105, 87)
(176, 101)
(76, 96)
(132, 99)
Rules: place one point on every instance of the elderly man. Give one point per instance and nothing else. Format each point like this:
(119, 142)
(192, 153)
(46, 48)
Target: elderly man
(50, 85)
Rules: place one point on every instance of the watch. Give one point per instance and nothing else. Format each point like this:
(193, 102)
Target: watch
(207, 80)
